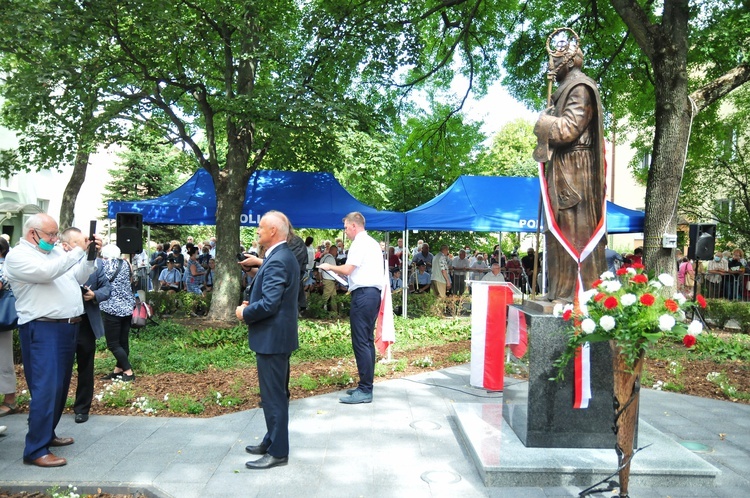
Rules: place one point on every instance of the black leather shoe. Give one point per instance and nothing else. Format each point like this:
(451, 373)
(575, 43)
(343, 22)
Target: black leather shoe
(81, 417)
(261, 449)
(266, 462)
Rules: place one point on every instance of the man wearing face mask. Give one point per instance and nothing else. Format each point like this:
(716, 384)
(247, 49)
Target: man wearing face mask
(715, 271)
(46, 281)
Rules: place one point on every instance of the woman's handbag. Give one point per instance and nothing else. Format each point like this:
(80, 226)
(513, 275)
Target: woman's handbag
(8, 315)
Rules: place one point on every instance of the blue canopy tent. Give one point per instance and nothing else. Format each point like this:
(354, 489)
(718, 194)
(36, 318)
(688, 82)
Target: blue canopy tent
(310, 200)
(500, 204)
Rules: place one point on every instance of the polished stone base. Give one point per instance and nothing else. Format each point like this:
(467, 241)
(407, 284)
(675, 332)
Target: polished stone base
(503, 460)
(541, 412)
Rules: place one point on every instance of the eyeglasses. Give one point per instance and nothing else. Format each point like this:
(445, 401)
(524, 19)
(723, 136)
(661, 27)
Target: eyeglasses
(55, 235)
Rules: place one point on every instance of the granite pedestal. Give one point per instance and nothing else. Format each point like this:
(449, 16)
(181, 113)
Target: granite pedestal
(541, 412)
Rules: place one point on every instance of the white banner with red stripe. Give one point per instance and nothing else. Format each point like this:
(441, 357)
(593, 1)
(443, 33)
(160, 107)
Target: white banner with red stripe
(489, 305)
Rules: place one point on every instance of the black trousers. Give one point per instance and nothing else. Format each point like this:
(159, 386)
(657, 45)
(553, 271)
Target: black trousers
(117, 332)
(365, 305)
(273, 379)
(85, 350)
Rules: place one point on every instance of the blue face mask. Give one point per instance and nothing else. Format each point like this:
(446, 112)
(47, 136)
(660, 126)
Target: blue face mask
(717, 258)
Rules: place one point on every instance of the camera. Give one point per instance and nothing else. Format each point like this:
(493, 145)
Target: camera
(241, 257)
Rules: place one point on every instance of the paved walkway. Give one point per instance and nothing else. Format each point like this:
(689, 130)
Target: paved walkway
(404, 444)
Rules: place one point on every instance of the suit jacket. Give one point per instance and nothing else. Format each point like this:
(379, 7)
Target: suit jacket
(271, 314)
(99, 283)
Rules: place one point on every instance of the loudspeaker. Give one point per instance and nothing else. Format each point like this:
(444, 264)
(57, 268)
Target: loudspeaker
(130, 232)
(702, 242)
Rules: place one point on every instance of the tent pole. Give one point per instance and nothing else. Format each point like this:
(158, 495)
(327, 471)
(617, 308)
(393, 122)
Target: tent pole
(404, 274)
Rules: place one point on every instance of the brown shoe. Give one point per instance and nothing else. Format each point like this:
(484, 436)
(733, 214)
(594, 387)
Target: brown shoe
(62, 441)
(48, 460)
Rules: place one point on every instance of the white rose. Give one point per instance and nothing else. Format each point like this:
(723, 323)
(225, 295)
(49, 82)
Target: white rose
(631, 271)
(666, 322)
(680, 298)
(655, 284)
(557, 310)
(607, 323)
(666, 280)
(628, 299)
(589, 295)
(607, 275)
(612, 286)
(695, 328)
(588, 325)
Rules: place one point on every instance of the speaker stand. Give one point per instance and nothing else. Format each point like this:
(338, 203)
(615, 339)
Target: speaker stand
(696, 310)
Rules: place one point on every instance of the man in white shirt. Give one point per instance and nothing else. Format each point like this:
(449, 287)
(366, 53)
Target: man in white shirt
(399, 247)
(494, 275)
(460, 266)
(47, 281)
(365, 268)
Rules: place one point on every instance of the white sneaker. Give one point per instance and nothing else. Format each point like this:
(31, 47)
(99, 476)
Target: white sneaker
(2, 429)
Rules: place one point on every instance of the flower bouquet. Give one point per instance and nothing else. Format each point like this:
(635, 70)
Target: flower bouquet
(631, 312)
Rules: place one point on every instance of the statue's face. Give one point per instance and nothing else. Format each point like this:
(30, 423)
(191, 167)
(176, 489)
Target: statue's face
(562, 68)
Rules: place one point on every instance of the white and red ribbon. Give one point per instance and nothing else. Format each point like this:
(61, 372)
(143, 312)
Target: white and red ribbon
(582, 364)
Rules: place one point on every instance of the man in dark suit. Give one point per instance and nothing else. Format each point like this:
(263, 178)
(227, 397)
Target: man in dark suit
(271, 316)
(96, 289)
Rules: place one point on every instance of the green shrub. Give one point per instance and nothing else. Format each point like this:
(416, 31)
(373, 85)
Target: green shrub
(116, 394)
(184, 404)
(718, 310)
(419, 305)
(183, 304)
(305, 382)
(316, 309)
(713, 347)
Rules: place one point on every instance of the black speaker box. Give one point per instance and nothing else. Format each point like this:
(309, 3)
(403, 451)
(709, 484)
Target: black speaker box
(130, 232)
(702, 241)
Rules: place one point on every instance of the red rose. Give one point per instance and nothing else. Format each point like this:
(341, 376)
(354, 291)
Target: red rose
(701, 301)
(599, 297)
(689, 341)
(637, 266)
(596, 284)
(640, 279)
(567, 314)
(671, 305)
(610, 302)
(621, 271)
(647, 299)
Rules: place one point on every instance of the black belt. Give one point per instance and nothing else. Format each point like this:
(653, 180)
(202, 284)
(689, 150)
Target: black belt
(75, 319)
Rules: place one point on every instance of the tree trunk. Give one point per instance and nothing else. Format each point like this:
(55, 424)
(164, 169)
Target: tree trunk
(231, 183)
(673, 120)
(70, 195)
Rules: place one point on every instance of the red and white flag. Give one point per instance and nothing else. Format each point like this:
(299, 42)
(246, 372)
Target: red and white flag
(385, 329)
(489, 304)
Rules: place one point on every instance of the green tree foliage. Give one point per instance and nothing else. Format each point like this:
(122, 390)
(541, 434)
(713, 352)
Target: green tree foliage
(658, 65)
(59, 90)
(718, 173)
(511, 150)
(245, 84)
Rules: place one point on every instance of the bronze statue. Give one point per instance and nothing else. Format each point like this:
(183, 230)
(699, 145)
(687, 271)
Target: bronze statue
(570, 141)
